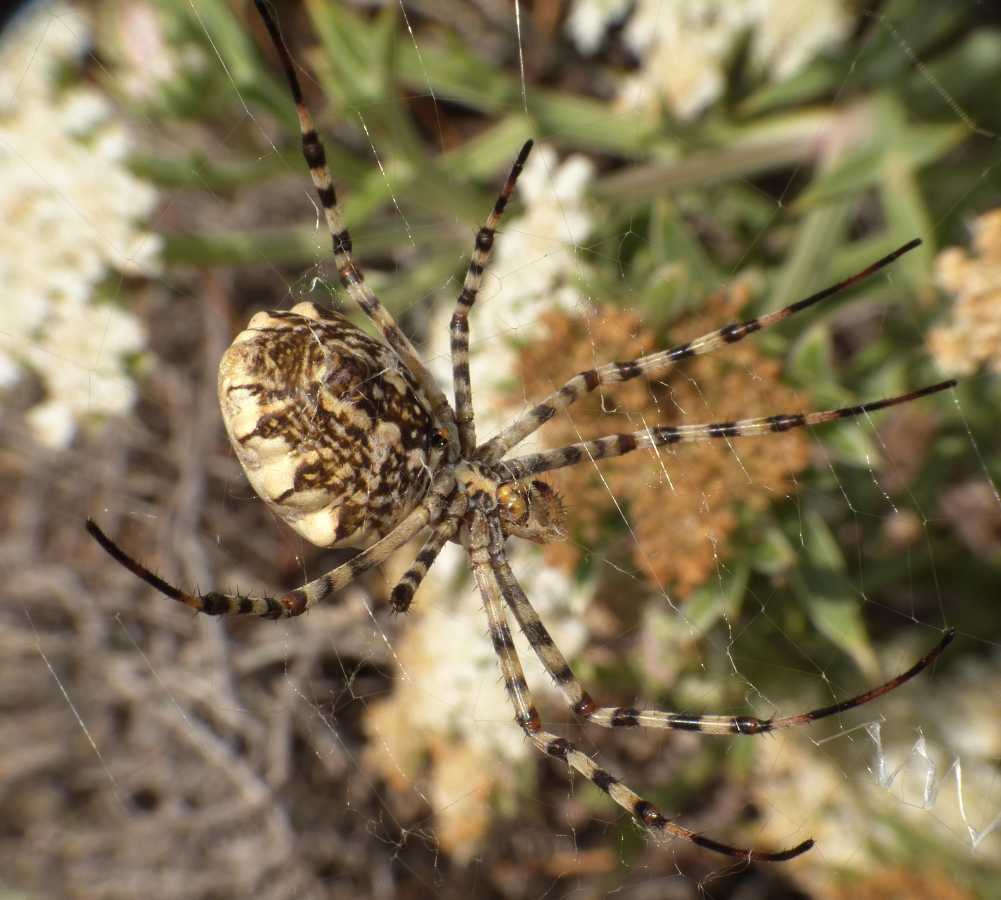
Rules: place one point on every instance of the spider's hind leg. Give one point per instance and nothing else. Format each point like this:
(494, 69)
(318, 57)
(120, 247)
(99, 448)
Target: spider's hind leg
(485, 555)
(583, 705)
(296, 601)
(403, 594)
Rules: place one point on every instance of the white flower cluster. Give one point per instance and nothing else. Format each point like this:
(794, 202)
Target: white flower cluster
(535, 268)
(152, 59)
(68, 205)
(449, 698)
(870, 790)
(683, 45)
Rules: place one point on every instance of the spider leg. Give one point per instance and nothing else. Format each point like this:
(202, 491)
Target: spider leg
(350, 274)
(582, 704)
(645, 813)
(297, 601)
(619, 444)
(655, 365)
(403, 594)
(467, 297)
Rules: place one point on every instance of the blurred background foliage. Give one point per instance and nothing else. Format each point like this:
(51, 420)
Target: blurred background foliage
(786, 573)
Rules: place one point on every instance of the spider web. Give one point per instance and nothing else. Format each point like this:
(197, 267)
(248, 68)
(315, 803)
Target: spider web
(339, 755)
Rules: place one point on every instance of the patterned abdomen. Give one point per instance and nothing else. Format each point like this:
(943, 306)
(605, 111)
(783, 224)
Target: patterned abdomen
(326, 423)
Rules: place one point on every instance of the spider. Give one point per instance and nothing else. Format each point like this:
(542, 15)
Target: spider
(352, 443)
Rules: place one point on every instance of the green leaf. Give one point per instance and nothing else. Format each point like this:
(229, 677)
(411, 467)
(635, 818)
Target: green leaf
(717, 599)
(492, 150)
(207, 172)
(451, 71)
(810, 362)
(743, 156)
(817, 79)
(906, 213)
(828, 596)
(835, 610)
(230, 40)
(851, 444)
(915, 147)
(672, 241)
(807, 268)
(354, 55)
(771, 552)
(820, 546)
(966, 73)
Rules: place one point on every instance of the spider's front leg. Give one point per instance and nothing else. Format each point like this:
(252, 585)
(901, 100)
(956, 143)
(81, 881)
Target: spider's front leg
(657, 365)
(351, 275)
(467, 297)
(486, 552)
(614, 445)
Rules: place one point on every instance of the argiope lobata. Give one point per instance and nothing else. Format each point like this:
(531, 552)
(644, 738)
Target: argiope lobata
(351, 442)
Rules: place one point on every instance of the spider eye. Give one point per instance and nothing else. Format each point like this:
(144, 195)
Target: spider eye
(439, 438)
(512, 500)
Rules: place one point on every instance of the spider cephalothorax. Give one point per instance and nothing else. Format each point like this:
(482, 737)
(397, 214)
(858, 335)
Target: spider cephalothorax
(350, 440)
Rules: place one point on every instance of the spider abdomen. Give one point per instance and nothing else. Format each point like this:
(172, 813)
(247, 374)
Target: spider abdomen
(326, 423)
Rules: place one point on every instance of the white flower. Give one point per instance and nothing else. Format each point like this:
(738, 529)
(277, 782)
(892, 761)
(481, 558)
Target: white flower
(150, 60)
(684, 45)
(52, 423)
(536, 266)
(868, 789)
(80, 353)
(588, 20)
(785, 42)
(69, 206)
(716, 22)
(449, 707)
(686, 77)
(459, 683)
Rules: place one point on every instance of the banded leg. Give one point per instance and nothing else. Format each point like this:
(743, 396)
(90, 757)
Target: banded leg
(656, 365)
(350, 275)
(297, 601)
(583, 705)
(467, 297)
(645, 813)
(403, 594)
(614, 445)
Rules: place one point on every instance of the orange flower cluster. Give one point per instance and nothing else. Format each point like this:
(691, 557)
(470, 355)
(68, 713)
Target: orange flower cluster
(972, 335)
(681, 503)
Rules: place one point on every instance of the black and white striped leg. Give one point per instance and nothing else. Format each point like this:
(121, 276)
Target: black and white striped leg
(467, 297)
(656, 365)
(350, 274)
(403, 594)
(583, 705)
(295, 602)
(614, 445)
(645, 813)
